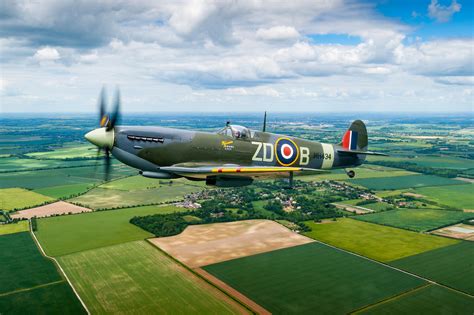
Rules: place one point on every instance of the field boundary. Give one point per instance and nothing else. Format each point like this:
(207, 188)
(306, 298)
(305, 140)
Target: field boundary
(398, 269)
(391, 298)
(32, 288)
(59, 267)
(257, 308)
(201, 277)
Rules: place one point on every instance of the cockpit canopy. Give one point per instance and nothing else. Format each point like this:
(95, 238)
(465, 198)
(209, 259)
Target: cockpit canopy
(237, 132)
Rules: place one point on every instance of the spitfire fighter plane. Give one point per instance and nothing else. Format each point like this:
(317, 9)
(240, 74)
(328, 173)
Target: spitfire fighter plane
(232, 156)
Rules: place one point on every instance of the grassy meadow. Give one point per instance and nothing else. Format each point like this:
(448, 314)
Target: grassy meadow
(55, 298)
(29, 282)
(402, 182)
(137, 278)
(431, 299)
(74, 233)
(105, 198)
(69, 152)
(378, 242)
(18, 198)
(21, 226)
(311, 277)
(451, 265)
(64, 191)
(457, 196)
(416, 219)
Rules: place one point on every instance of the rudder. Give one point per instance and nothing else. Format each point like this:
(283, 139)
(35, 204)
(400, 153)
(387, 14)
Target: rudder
(355, 137)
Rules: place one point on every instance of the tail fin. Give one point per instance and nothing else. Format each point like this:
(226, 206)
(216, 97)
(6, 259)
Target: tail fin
(355, 137)
(355, 140)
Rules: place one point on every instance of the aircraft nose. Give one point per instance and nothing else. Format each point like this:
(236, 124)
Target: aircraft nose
(101, 137)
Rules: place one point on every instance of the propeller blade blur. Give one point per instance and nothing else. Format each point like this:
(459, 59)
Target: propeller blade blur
(116, 113)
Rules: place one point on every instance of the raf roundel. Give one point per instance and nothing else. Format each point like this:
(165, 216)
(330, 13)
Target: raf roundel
(286, 151)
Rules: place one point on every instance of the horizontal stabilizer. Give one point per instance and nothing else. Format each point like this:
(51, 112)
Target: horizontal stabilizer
(360, 152)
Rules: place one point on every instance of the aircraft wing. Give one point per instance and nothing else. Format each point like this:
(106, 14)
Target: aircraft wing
(344, 151)
(246, 171)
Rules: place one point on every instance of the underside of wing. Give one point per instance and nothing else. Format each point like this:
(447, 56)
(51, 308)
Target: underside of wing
(202, 172)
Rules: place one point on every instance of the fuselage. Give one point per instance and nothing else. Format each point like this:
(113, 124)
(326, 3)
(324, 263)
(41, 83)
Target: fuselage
(148, 148)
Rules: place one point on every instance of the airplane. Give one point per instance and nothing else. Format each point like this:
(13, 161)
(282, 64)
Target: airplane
(232, 157)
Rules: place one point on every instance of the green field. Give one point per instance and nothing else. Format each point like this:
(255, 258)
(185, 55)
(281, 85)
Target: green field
(138, 278)
(64, 191)
(22, 264)
(70, 152)
(429, 161)
(416, 219)
(21, 226)
(56, 298)
(401, 182)
(17, 164)
(133, 183)
(431, 299)
(361, 172)
(312, 278)
(61, 176)
(458, 196)
(69, 234)
(30, 282)
(378, 242)
(452, 266)
(103, 198)
(377, 206)
(18, 198)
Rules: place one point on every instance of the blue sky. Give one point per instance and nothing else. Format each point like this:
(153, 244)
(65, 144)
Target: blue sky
(234, 55)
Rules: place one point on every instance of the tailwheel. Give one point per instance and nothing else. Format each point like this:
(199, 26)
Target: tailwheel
(351, 173)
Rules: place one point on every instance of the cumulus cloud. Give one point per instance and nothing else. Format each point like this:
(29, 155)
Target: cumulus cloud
(226, 49)
(47, 54)
(442, 13)
(277, 33)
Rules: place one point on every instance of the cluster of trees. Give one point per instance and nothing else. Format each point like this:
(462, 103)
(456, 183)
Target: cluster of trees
(221, 208)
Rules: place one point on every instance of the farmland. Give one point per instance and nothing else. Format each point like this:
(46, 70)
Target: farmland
(74, 233)
(137, 277)
(61, 176)
(378, 242)
(401, 182)
(458, 196)
(116, 271)
(104, 198)
(64, 191)
(431, 299)
(320, 278)
(54, 298)
(430, 161)
(363, 172)
(26, 274)
(18, 198)
(416, 219)
(451, 265)
(21, 226)
(69, 152)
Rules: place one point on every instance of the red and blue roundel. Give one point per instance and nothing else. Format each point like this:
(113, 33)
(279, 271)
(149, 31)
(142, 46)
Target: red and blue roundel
(286, 151)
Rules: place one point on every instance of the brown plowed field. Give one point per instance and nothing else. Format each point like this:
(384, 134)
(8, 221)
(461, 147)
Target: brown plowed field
(55, 208)
(201, 245)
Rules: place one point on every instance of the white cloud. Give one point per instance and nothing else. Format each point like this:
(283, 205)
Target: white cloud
(443, 13)
(47, 54)
(217, 52)
(278, 33)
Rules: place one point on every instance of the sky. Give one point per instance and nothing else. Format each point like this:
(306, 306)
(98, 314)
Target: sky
(238, 56)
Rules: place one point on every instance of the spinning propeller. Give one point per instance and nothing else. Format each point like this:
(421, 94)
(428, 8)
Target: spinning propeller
(103, 137)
